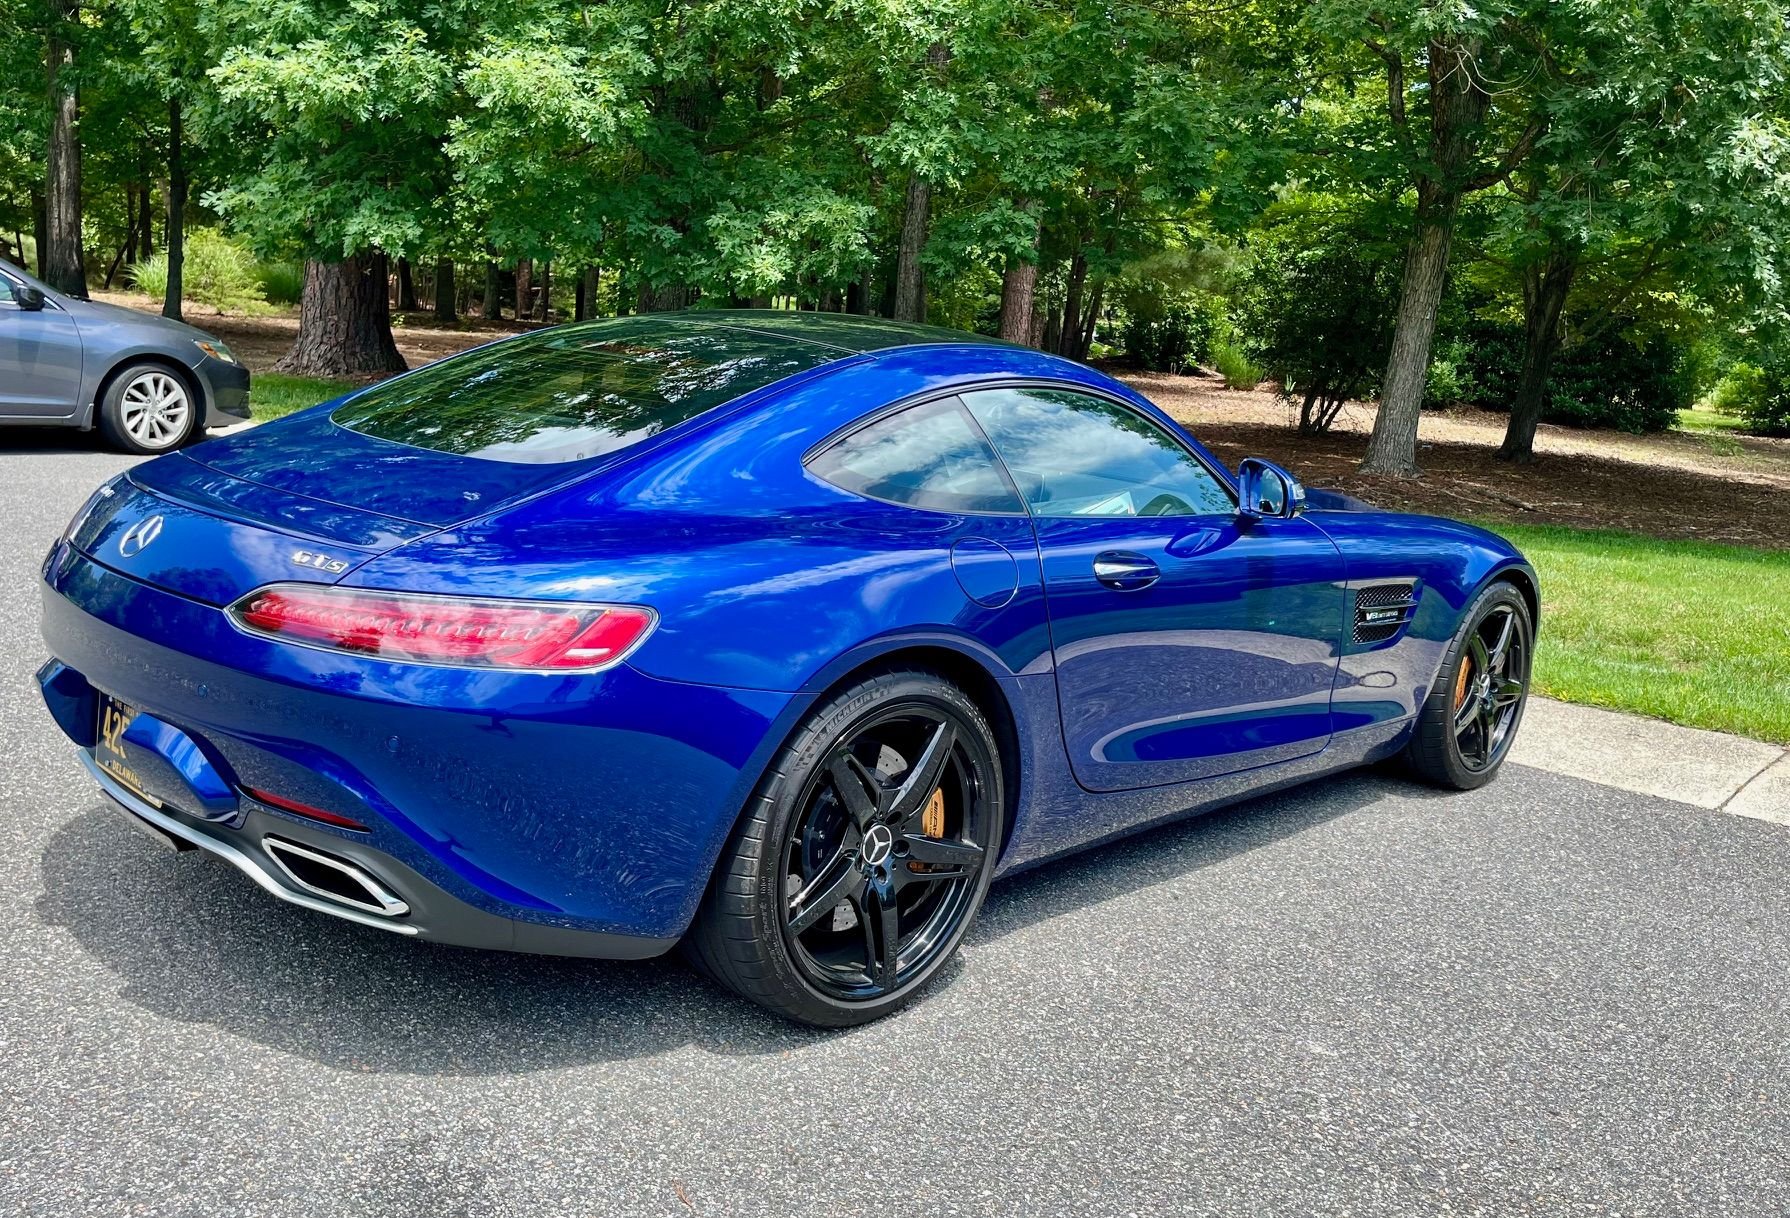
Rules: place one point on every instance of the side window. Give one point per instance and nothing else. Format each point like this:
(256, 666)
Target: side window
(1075, 455)
(927, 456)
(6, 295)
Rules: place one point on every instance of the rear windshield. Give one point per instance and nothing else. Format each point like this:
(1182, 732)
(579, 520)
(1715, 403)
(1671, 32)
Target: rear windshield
(577, 391)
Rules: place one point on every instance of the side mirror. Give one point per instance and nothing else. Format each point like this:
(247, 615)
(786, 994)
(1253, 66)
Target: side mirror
(28, 298)
(1266, 491)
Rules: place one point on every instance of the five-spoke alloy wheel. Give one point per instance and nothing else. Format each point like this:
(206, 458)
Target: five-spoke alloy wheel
(1470, 719)
(864, 859)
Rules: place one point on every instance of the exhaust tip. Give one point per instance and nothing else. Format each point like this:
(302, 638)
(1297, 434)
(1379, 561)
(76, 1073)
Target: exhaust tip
(333, 878)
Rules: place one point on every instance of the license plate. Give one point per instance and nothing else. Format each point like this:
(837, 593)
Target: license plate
(108, 749)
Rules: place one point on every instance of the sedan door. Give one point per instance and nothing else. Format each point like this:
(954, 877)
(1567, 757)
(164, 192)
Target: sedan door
(1189, 641)
(40, 359)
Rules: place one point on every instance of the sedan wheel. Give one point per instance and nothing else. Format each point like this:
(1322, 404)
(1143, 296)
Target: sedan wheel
(1470, 719)
(863, 862)
(148, 409)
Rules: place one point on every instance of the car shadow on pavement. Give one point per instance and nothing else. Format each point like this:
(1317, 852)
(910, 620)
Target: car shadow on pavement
(193, 940)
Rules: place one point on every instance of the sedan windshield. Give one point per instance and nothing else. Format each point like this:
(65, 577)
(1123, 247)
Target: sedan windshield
(576, 392)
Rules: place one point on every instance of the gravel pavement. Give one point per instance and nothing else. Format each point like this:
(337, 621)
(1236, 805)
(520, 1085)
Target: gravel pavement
(1360, 997)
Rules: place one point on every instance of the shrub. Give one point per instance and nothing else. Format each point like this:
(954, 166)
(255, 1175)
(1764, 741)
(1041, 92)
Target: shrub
(1740, 390)
(1768, 413)
(1450, 380)
(1316, 311)
(1168, 331)
(1235, 366)
(1631, 378)
(215, 271)
(283, 283)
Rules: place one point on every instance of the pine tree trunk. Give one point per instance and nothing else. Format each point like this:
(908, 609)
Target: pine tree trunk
(444, 291)
(64, 267)
(40, 228)
(1019, 286)
(492, 309)
(175, 231)
(910, 276)
(1545, 288)
(406, 287)
(525, 288)
(1069, 335)
(147, 211)
(344, 322)
(589, 287)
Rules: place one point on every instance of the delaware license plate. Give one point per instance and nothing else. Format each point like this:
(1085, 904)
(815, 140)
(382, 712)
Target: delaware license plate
(108, 748)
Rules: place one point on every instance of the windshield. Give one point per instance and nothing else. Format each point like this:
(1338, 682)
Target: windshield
(576, 392)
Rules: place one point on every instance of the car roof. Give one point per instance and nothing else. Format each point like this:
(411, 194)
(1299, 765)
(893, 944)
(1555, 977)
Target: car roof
(846, 333)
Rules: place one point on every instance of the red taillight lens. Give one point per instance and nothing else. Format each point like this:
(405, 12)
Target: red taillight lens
(457, 630)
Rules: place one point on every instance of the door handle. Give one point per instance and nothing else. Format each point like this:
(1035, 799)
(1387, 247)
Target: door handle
(1125, 570)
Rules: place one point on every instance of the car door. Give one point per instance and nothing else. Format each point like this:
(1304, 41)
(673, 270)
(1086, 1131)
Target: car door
(1189, 641)
(40, 358)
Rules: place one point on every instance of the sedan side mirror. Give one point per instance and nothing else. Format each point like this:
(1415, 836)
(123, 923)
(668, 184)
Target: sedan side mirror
(1265, 490)
(28, 298)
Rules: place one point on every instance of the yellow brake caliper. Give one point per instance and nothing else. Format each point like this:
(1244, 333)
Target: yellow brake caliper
(932, 823)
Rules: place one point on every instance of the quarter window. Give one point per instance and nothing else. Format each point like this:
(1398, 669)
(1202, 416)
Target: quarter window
(927, 456)
(1075, 455)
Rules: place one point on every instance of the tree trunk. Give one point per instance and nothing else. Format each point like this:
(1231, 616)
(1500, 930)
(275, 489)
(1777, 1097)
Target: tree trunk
(1069, 336)
(1086, 342)
(589, 285)
(910, 276)
(1545, 288)
(444, 291)
(544, 304)
(175, 232)
(406, 287)
(128, 247)
(1018, 287)
(147, 212)
(1393, 447)
(525, 288)
(40, 228)
(1458, 107)
(491, 310)
(344, 321)
(63, 265)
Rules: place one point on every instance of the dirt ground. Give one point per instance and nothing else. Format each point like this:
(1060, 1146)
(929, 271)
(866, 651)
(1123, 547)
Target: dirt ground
(1676, 484)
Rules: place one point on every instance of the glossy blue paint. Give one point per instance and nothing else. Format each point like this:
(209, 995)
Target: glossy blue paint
(600, 801)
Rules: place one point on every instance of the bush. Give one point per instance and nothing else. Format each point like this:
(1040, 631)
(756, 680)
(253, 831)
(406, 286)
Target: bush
(1168, 332)
(1740, 390)
(283, 283)
(1450, 380)
(215, 271)
(1631, 378)
(1316, 311)
(1768, 413)
(1237, 369)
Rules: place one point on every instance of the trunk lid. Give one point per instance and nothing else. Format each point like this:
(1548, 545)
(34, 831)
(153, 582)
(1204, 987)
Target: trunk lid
(309, 503)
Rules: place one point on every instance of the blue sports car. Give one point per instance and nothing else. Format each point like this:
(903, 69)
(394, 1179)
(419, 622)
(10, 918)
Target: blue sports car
(777, 635)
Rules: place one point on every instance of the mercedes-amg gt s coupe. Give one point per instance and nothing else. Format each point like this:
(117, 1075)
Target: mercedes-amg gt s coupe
(775, 635)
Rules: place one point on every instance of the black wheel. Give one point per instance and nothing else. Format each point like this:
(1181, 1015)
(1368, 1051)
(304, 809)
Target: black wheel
(1470, 718)
(864, 857)
(148, 408)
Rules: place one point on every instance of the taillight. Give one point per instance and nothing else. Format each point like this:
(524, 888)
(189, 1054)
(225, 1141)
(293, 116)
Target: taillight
(305, 810)
(472, 632)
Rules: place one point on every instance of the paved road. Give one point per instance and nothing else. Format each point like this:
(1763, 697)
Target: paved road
(1548, 997)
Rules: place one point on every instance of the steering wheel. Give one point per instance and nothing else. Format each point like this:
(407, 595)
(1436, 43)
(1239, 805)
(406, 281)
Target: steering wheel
(1166, 504)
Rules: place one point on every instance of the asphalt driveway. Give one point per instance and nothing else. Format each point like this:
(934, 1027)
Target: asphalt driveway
(1547, 997)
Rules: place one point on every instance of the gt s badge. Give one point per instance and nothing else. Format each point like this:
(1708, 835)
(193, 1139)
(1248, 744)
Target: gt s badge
(319, 562)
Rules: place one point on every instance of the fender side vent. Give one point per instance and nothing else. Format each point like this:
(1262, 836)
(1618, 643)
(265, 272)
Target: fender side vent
(1382, 610)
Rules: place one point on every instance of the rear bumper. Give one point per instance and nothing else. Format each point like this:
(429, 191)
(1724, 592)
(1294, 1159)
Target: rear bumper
(422, 909)
(506, 811)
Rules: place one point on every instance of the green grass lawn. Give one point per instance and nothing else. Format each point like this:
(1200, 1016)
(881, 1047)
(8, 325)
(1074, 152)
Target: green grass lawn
(272, 394)
(1687, 631)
